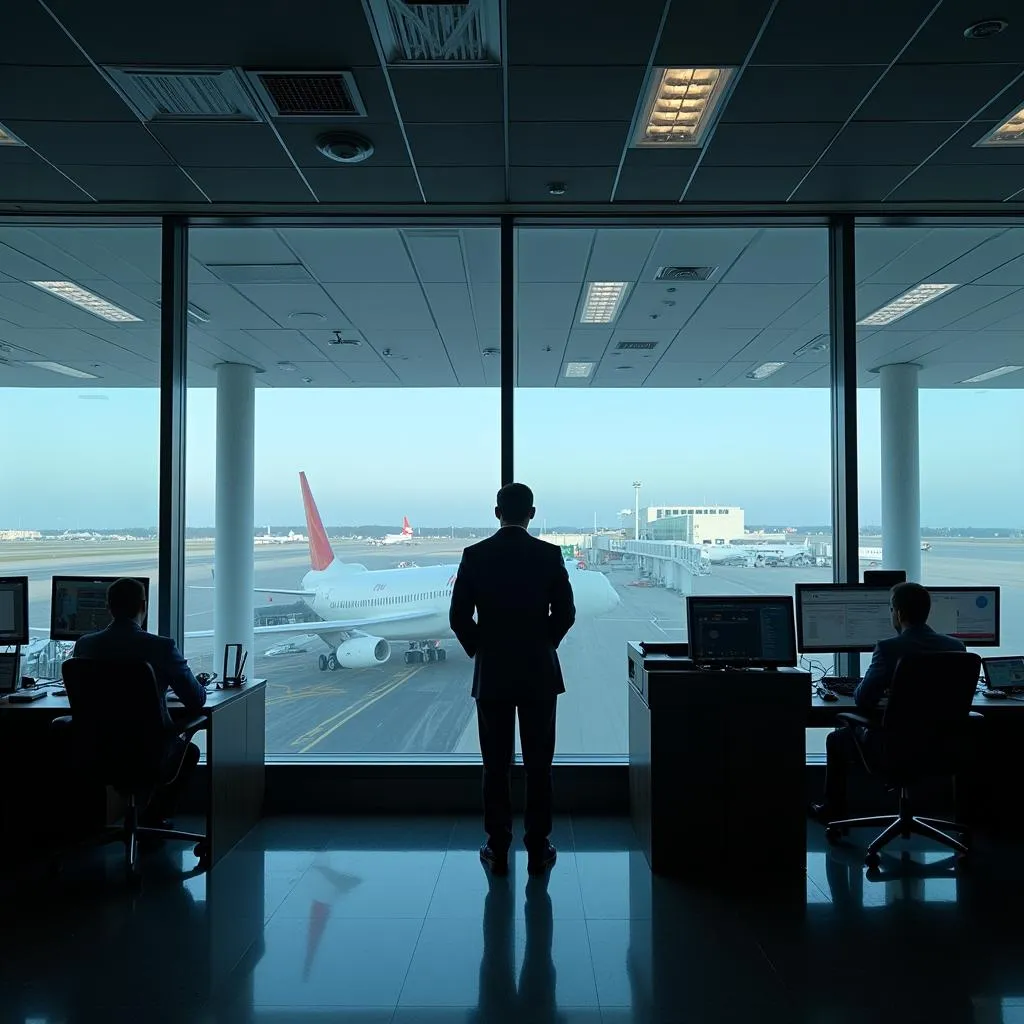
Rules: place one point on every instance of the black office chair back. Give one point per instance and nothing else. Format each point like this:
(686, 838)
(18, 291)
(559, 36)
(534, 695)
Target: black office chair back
(927, 718)
(119, 732)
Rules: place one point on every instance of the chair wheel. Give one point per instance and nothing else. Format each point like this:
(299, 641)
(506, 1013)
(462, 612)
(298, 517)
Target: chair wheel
(872, 860)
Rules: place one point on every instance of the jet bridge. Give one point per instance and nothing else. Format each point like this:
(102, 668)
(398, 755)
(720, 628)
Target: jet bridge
(671, 563)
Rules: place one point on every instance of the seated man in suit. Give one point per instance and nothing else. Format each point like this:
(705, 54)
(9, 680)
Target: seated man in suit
(520, 591)
(125, 640)
(910, 604)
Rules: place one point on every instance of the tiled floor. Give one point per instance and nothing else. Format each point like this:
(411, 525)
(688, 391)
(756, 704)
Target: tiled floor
(395, 920)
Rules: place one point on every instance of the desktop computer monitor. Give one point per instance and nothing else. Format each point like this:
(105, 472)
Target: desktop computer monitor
(971, 614)
(837, 617)
(749, 631)
(78, 605)
(884, 577)
(13, 611)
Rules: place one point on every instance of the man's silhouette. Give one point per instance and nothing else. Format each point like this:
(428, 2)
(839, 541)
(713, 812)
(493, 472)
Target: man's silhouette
(520, 591)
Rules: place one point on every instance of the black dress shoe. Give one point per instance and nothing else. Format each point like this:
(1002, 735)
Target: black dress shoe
(540, 859)
(496, 860)
(825, 812)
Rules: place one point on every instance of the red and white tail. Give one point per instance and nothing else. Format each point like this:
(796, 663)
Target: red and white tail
(320, 552)
(406, 528)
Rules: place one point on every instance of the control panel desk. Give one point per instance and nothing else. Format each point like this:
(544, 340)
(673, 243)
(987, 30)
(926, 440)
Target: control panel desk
(716, 764)
(233, 774)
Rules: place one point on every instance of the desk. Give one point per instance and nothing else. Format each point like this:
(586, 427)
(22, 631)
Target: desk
(822, 714)
(235, 756)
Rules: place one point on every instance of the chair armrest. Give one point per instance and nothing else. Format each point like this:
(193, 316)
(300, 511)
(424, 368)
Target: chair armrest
(188, 729)
(975, 714)
(852, 718)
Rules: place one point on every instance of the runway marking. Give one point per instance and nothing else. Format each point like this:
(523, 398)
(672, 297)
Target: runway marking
(370, 699)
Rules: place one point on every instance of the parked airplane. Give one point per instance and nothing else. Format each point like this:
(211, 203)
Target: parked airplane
(757, 555)
(363, 611)
(405, 537)
(270, 538)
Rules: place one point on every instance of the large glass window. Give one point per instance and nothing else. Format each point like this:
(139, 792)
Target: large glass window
(681, 374)
(378, 357)
(79, 412)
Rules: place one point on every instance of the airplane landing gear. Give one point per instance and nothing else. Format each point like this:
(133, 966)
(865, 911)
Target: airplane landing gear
(332, 662)
(322, 662)
(425, 651)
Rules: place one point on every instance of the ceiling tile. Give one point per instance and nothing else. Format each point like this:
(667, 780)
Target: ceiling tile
(583, 184)
(375, 307)
(251, 185)
(598, 143)
(141, 184)
(813, 94)
(888, 142)
(782, 256)
(222, 145)
(457, 145)
(784, 145)
(31, 36)
(77, 142)
(936, 92)
(961, 148)
(719, 34)
(364, 183)
(643, 184)
(849, 184)
(574, 94)
(935, 183)
(432, 96)
(36, 182)
(58, 94)
(753, 184)
(463, 184)
(389, 149)
(941, 39)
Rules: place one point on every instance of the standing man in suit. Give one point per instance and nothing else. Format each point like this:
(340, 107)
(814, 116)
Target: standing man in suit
(125, 640)
(520, 591)
(910, 605)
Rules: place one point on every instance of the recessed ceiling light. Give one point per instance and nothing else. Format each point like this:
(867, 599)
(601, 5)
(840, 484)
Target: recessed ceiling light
(904, 304)
(287, 367)
(491, 351)
(197, 314)
(765, 370)
(1009, 133)
(603, 300)
(681, 104)
(578, 369)
(557, 188)
(9, 139)
(68, 371)
(78, 296)
(985, 29)
(998, 372)
(306, 318)
(307, 380)
(818, 344)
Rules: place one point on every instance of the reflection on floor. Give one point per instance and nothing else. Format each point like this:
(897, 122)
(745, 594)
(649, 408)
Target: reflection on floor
(395, 920)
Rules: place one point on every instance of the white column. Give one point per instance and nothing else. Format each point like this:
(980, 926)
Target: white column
(901, 476)
(233, 550)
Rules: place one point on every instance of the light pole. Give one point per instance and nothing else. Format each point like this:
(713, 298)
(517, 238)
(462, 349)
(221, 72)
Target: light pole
(636, 507)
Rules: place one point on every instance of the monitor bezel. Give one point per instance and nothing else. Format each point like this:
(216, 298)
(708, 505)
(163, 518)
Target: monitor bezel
(996, 641)
(56, 634)
(695, 600)
(800, 588)
(24, 638)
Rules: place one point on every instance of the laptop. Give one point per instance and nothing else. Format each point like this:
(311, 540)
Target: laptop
(1006, 674)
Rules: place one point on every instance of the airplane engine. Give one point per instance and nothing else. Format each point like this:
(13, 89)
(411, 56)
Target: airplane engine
(363, 652)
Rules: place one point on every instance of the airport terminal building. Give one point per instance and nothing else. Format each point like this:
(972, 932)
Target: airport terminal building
(712, 524)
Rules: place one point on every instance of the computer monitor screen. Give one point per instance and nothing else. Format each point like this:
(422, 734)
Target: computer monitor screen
(13, 610)
(971, 614)
(1004, 673)
(79, 605)
(841, 617)
(755, 631)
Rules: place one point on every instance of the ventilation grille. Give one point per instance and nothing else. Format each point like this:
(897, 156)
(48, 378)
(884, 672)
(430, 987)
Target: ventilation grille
(636, 346)
(684, 273)
(184, 94)
(308, 93)
(463, 32)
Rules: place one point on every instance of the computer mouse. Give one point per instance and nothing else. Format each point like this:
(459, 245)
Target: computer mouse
(994, 694)
(828, 696)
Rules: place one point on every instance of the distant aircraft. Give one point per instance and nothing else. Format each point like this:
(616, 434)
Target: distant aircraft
(269, 538)
(363, 611)
(405, 537)
(757, 554)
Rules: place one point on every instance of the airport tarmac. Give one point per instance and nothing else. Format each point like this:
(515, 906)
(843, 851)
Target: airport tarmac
(412, 711)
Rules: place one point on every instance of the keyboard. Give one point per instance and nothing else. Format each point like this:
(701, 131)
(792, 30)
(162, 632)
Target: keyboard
(842, 685)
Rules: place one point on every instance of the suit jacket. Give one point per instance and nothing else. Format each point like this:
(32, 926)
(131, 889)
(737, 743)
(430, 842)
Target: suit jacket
(913, 640)
(125, 640)
(521, 593)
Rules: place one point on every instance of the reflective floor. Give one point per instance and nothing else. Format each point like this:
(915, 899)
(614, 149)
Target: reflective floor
(395, 920)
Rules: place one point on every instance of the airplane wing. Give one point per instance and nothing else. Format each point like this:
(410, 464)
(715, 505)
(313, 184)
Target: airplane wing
(328, 626)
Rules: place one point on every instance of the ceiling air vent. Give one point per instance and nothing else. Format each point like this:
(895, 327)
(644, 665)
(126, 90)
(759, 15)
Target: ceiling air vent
(684, 273)
(463, 32)
(184, 94)
(320, 94)
(636, 346)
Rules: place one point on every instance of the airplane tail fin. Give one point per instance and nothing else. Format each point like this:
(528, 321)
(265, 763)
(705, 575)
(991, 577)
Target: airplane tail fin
(406, 527)
(320, 552)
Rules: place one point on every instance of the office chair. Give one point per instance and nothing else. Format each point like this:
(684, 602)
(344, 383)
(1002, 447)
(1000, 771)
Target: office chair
(924, 733)
(120, 730)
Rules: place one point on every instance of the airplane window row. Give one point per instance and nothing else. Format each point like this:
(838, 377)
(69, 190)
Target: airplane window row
(382, 602)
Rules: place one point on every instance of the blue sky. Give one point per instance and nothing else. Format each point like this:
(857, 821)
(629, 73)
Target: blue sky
(373, 455)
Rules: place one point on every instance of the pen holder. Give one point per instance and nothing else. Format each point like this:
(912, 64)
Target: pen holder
(234, 663)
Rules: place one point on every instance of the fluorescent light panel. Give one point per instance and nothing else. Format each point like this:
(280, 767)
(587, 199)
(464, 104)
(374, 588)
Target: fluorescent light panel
(904, 304)
(68, 371)
(1009, 133)
(578, 369)
(681, 105)
(818, 344)
(999, 371)
(765, 370)
(604, 298)
(78, 296)
(7, 139)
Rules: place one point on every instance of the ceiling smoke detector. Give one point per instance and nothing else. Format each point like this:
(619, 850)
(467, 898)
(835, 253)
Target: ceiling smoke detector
(345, 147)
(986, 28)
(684, 273)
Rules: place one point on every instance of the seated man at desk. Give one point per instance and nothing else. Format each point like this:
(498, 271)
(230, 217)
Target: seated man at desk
(910, 604)
(125, 640)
